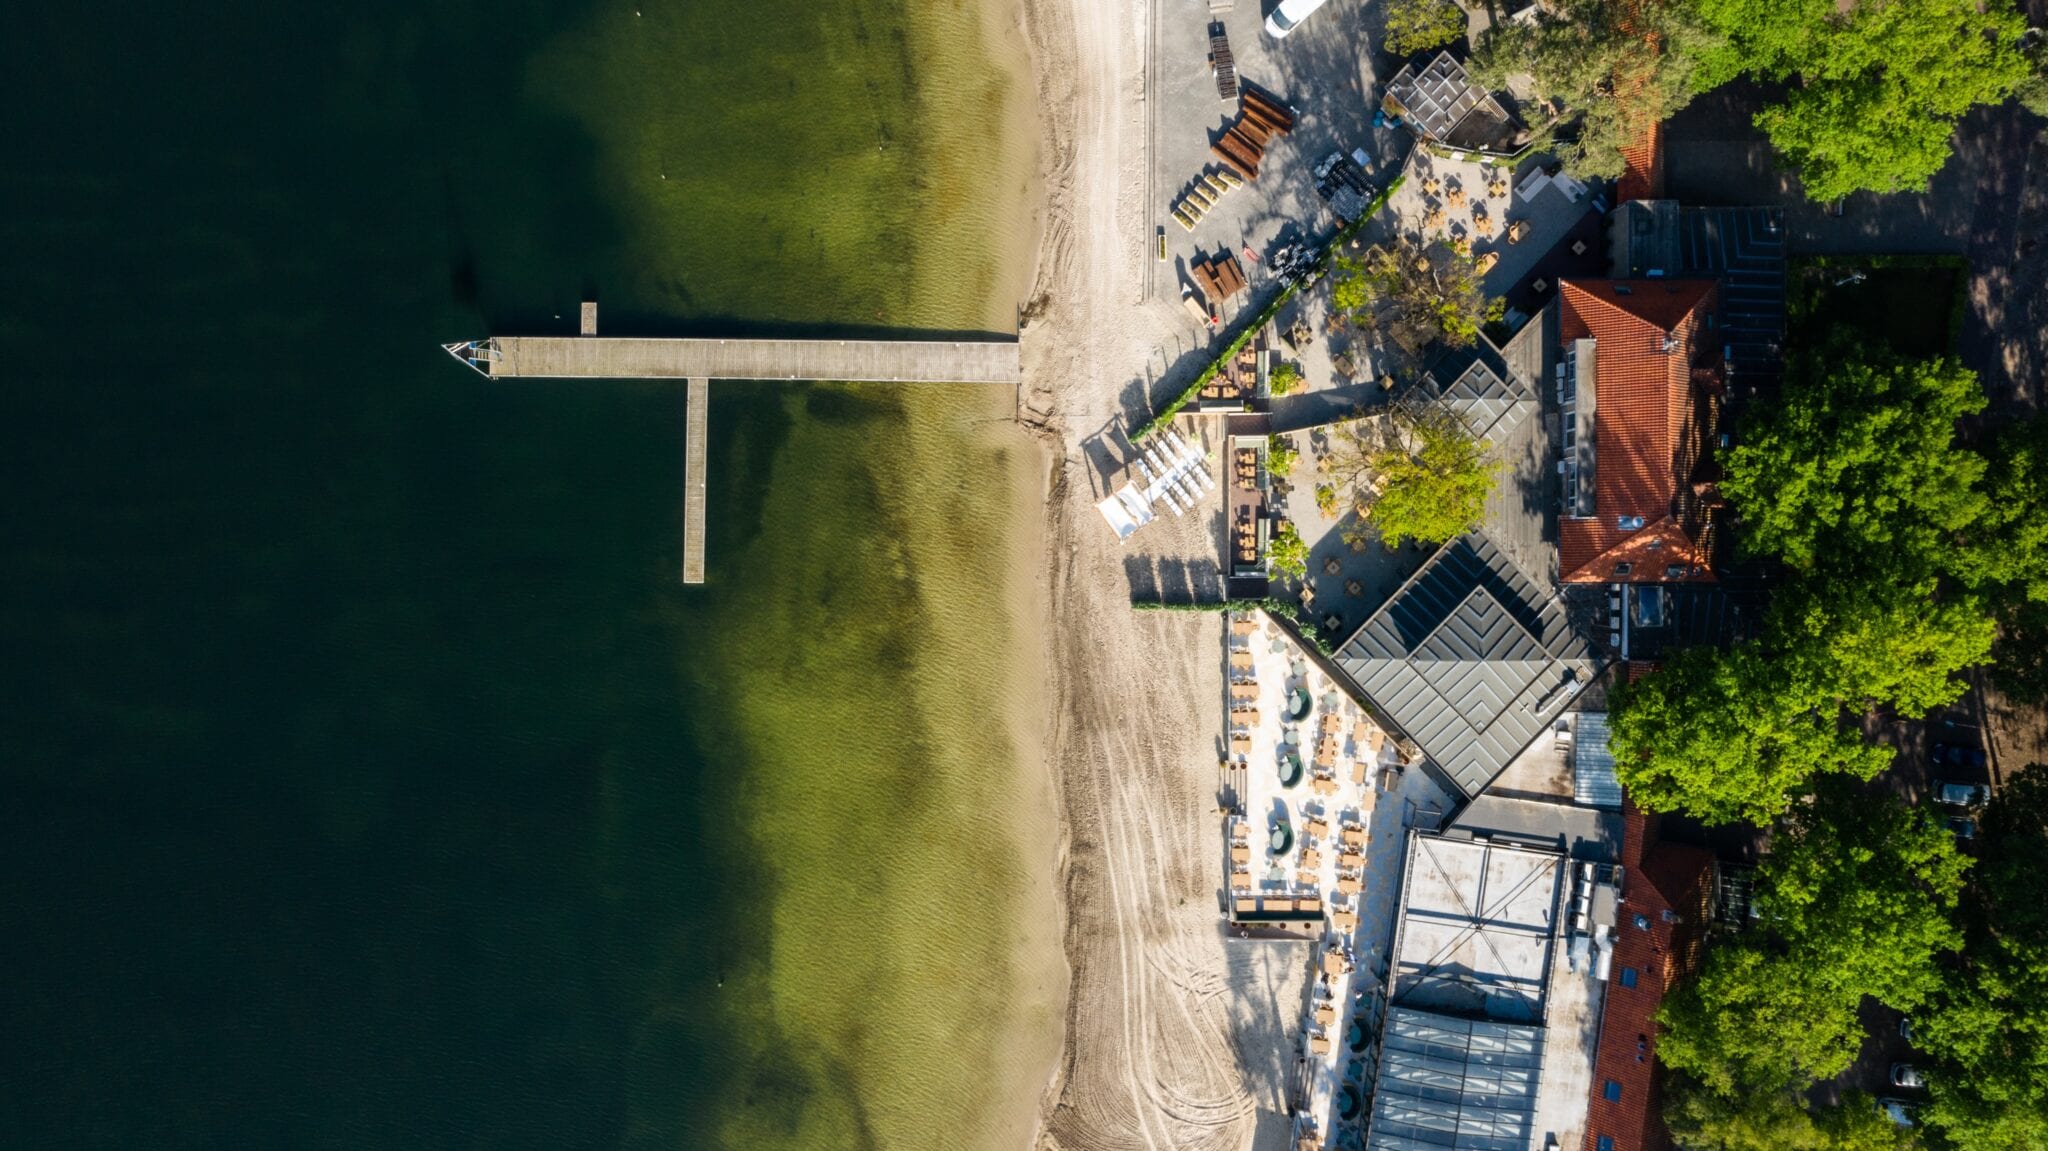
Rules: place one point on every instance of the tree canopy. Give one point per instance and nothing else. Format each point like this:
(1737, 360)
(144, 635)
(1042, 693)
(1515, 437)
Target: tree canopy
(1855, 481)
(1987, 1028)
(1284, 378)
(1700, 1120)
(1853, 901)
(1726, 736)
(1414, 25)
(1415, 474)
(1857, 464)
(1618, 68)
(1879, 85)
(1416, 295)
(1874, 88)
(1287, 553)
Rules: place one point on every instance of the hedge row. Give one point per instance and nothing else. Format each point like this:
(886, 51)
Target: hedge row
(1264, 317)
(1287, 611)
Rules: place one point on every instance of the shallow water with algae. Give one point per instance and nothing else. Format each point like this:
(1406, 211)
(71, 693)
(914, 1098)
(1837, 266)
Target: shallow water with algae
(369, 779)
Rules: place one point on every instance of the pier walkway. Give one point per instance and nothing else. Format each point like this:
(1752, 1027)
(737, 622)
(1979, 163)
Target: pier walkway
(696, 421)
(589, 356)
(632, 358)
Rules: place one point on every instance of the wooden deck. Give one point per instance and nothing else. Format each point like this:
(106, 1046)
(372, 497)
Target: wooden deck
(696, 424)
(888, 361)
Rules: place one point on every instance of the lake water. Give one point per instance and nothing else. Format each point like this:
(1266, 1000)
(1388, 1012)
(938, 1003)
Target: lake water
(369, 779)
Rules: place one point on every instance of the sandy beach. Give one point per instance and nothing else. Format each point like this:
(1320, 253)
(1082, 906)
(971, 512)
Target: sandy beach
(1160, 1047)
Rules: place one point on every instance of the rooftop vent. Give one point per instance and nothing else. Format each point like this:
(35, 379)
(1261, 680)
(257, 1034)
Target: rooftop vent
(1629, 523)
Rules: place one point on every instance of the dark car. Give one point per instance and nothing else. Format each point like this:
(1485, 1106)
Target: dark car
(1960, 755)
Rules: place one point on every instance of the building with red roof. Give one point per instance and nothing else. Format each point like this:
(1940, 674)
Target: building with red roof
(1642, 172)
(1666, 904)
(1641, 380)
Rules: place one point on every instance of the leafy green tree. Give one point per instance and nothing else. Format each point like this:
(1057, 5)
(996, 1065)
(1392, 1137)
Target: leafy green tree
(1434, 486)
(2008, 552)
(1988, 1028)
(1287, 553)
(1618, 68)
(1280, 455)
(1416, 473)
(1878, 642)
(1727, 736)
(1418, 296)
(1284, 378)
(1853, 901)
(1414, 25)
(1700, 1120)
(1326, 499)
(1879, 84)
(1755, 1022)
(1857, 464)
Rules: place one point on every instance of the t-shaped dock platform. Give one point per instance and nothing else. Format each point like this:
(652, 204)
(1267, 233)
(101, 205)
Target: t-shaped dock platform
(698, 360)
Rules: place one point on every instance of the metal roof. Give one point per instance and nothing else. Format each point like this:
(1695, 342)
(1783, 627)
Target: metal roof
(1593, 780)
(1492, 403)
(1437, 96)
(1461, 1084)
(1474, 931)
(1471, 659)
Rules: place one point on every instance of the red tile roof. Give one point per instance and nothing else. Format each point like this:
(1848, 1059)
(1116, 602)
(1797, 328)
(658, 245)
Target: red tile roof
(1642, 174)
(1645, 426)
(1666, 895)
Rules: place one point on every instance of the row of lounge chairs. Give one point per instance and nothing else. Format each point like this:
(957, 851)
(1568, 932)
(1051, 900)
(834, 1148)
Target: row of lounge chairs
(1173, 473)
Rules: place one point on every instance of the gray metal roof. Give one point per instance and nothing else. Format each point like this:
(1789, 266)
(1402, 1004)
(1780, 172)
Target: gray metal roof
(1491, 403)
(1437, 96)
(1445, 1082)
(1593, 780)
(1471, 659)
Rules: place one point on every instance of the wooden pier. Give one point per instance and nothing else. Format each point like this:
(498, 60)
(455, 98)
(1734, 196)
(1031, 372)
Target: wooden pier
(695, 424)
(589, 356)
(594, 357)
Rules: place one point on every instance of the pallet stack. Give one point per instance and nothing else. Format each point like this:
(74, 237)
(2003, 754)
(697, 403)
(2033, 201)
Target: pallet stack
(1244, 145)
(1221, 63)
(1220, 278)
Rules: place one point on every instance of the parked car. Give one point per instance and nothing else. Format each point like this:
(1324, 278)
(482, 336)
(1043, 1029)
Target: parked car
(1905, 1028)
(1289, 15)
(1962, 794)
(1899, 1111)
(1962, 827)
(1960, 755)
(1907, 1075)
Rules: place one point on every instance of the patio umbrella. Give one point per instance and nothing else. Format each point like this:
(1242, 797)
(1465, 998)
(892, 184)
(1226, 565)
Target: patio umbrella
(1353, 588)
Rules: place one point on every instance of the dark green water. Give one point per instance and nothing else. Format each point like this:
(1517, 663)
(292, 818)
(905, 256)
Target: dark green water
(368, 781)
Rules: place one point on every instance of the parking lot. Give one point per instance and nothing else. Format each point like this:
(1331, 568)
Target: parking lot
(1323, 71)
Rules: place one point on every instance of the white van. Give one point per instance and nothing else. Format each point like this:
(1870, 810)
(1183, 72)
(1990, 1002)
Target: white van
(1289, 14)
